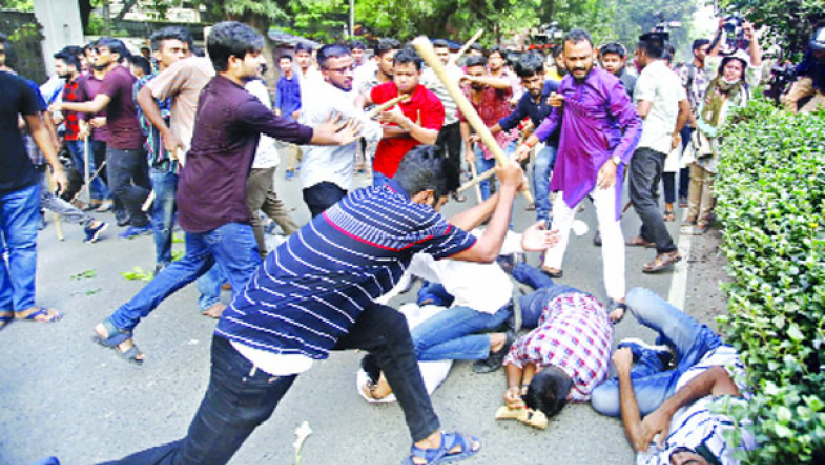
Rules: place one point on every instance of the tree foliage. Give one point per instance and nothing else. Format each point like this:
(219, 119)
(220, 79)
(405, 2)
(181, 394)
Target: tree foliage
(791, 21)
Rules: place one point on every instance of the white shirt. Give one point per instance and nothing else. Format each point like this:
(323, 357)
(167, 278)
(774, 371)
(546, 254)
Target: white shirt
(331, 163)
(484, 287)
(431, 81)
(266, 155)
(695, 426)
(662, 87)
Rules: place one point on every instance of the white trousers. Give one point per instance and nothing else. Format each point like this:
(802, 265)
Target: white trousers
(612, 238)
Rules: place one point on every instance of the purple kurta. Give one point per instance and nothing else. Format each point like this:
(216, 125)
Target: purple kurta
(598, 120)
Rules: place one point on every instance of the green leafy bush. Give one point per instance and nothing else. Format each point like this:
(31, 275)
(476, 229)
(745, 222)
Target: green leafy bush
(771, 201)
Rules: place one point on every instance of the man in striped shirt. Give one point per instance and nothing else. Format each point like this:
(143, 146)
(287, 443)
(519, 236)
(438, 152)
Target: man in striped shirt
(314, 294)
(679, 426)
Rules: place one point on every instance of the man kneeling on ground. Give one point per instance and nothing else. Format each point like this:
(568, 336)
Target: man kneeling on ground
(677, 402)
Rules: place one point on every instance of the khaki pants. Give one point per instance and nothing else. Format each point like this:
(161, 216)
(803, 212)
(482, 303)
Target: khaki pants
(261, 196)
(700, 194)
(799, 90)
(296, 155)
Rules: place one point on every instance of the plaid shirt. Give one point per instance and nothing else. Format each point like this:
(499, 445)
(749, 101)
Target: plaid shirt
(575, 335)
(70, 118)
(156, 154)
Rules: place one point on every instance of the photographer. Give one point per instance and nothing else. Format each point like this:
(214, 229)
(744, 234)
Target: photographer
(811, 78)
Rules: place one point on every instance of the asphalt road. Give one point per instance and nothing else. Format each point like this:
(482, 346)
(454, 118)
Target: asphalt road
(63, 395)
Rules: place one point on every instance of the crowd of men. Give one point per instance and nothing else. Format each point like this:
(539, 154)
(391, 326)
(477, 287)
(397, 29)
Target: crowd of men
(192, 140)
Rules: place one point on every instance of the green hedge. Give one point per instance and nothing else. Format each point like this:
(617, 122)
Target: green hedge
(771, 202)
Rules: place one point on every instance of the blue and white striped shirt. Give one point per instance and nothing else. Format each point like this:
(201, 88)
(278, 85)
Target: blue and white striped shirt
(311, 288)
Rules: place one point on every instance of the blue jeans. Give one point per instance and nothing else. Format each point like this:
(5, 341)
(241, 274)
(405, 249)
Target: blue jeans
(379, 179)
(210, 286)
(651, 383)
(165, 185)
(97, 188)
(451, 334)
(542, 171)
(232, 245)
(482, 166)
(19, 220)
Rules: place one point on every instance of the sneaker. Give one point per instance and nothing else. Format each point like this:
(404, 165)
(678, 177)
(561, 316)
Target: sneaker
(289, 175)
(93, 232)
(494, 361)
(134, 231)
(637, 346)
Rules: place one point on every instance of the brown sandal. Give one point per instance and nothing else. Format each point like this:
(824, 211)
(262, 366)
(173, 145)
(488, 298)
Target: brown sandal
(637, 241)
(662, 261)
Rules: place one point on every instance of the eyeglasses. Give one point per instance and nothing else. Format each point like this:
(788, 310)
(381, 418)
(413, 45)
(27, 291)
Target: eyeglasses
(342, 69)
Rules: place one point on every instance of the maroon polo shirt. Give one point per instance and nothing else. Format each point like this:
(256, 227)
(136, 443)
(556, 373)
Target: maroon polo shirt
(121, 112)
(228, 124)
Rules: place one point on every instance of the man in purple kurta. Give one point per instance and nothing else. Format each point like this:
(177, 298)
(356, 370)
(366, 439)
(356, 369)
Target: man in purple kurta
(599, 132)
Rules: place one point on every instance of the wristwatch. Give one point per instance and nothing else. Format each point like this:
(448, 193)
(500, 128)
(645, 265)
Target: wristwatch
(616, 160)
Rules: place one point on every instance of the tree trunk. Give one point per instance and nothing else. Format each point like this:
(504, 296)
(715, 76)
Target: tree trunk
(126, 7)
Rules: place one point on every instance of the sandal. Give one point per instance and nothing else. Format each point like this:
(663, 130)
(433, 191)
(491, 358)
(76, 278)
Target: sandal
(39, 315)
(443, 454)
(662, 261)
(554, 273)
(637, 241)
(115, 337)
(669, 216)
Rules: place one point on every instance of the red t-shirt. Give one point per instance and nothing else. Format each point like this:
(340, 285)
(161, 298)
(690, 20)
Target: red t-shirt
(424, 108)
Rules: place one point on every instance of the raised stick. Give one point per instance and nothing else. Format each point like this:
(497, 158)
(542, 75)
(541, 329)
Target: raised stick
(86, 169)
(466, 47)
(387, 105)
(425, 50)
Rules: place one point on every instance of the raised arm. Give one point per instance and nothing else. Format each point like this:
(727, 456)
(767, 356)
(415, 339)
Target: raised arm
(99, 103)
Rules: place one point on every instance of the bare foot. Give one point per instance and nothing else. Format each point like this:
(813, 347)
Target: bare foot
(215, 311)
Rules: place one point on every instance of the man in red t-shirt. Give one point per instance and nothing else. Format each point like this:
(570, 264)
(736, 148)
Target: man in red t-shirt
(416, 121)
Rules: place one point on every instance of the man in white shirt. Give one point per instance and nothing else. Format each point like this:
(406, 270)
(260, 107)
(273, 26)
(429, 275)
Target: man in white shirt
(662, 104)
(260, 192)
(326, 172)
(679, 426)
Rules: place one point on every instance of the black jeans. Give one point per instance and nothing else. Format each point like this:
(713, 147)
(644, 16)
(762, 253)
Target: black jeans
(684, 173)
(322, 196)
(645, 176)
(128, 176)
(449, 137)
(239, 397)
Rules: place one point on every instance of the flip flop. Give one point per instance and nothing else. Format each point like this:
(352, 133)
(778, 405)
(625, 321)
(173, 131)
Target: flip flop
(32, 314)
(6, 317)
(662, 261)
(637, 241)
(116, 336)
(442, 454)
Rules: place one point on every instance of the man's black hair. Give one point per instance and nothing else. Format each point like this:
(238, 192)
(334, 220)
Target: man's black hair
(303, 47)
(89, 46)
(115, 46)
(577, 35)
(285, 56)
(475, 61)
(440, 43)
(332, 51)
(670, 52)
(558, 50)
(529, 65)
(198, 52)
(142, 63)
(614, 48)
(73, 50)
(69, 59)
(427, 167)
(231, 39)
(170, 33)
(407, 55)
(548, 391)
(476, 46)
(9, 50)
(698, 43)
(358, 44)
(384, 46)
(653, 45)
(495, 49)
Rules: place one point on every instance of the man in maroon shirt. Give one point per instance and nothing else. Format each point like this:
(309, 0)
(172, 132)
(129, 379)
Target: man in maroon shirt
(416, 121)
(212, 187)
(126, 165)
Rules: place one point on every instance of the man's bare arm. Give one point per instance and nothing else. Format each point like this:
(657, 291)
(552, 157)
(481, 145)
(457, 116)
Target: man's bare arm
(631, 418)
(643, 108)
(42, 139)
(495, 83)
(99, 103)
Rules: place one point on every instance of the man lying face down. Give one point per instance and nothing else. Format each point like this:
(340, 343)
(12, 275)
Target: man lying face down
(566, 356)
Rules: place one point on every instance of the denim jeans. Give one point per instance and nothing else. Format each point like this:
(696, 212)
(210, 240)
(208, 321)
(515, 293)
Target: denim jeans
(322, 196)
(651, 383)
(19, 220)
(128, 174)
(542, 172)
(231, 245)
(684, 173)
(165, 185)
(239, 397)
(453, 334)
(97, 188)
(379, 179)
(645, 176)
(209, 286)
(482, 166)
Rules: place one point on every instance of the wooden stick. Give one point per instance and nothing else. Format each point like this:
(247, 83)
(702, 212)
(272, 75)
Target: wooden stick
(466, 47)
(149, 199)
(86, 169)
(58, 226)
(387, 105)
(475, 176)
(425, 50)
(477, 179)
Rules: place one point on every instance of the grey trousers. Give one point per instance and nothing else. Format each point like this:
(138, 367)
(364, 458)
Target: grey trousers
(261, 196)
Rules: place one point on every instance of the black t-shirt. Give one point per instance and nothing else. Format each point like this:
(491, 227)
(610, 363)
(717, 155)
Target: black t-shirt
(16, 98)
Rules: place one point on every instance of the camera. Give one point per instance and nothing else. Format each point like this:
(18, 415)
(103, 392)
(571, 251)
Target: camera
(732, 35)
